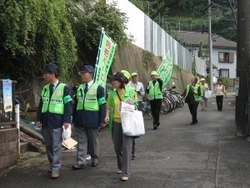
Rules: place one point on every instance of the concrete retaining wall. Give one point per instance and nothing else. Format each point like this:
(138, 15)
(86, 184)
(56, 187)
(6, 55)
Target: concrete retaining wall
(8, 147)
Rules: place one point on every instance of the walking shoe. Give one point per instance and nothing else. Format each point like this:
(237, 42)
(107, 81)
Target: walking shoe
(94, 164)
(49, 170)
(133, 156)
(54, 175)
(88, 158)
(78, 167)
(119, 171)
(155, 127)
(125, 178)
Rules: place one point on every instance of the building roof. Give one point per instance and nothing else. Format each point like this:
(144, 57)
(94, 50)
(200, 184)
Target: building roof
(194, 38)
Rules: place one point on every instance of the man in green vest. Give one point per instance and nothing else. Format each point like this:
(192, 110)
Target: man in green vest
(89, 114)
(54, 111)
(154, 93)
(192, 95)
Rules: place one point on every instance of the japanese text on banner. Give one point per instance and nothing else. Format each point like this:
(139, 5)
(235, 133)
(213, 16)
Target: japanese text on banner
(105, 59)
(165, 70)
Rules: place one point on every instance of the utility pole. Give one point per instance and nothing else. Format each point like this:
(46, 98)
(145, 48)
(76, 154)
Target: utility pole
(210, 45)
(242, 116)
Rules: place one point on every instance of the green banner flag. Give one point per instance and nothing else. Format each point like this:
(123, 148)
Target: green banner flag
(104, 59)
(165, 70)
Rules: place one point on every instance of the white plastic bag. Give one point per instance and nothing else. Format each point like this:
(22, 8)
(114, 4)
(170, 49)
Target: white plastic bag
(66, 133)
(208, 94)
(126, 108)
(133, 123)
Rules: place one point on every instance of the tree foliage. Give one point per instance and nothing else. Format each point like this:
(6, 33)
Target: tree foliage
(88, 23)
(34, 33)
(190, 16)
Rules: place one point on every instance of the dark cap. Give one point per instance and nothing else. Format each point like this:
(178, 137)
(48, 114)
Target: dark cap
(88, 68)
(118, 76)
(50, 68)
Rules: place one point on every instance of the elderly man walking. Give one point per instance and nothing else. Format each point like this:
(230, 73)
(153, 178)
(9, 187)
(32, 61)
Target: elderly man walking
(89, 114)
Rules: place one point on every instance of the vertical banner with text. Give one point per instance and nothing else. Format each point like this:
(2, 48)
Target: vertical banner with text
(104, 59)
(7, 95)
(165, 70)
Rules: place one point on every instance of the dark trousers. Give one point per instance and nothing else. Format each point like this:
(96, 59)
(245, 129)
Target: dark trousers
(133, 147)
(219, 101)
(193, 112)
(155, 109)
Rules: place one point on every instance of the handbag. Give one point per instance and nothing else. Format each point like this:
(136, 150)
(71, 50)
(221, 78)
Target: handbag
(208, 94)
(132, 123)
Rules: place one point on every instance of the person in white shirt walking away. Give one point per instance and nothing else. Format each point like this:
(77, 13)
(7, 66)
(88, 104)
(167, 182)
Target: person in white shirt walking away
(139, 88)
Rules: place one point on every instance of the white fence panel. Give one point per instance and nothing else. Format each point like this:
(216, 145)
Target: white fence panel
(151, 37)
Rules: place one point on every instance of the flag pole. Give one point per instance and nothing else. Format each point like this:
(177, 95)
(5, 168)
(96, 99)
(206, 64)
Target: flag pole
(163, 61)
(98, 53)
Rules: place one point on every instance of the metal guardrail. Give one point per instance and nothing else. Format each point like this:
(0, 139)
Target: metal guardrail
(7, 118)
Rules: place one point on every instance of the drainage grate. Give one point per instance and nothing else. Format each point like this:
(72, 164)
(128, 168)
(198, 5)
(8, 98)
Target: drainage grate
(153, 157)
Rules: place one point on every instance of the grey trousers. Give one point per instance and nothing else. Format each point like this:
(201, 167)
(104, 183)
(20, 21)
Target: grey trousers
(203, 102)
(87, 136)
(123, 149)
(53, 144)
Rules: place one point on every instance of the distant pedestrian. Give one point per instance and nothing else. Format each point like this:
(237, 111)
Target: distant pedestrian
(90, 113)
(122, 143)
(219, 92)
(54, 111)
(192, 95)
(139, 88)
(154, 93)
(204, 88)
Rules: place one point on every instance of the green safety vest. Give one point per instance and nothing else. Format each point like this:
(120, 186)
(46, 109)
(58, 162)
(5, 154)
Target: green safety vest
(89, 100)
(129, 93)
(196, 87)
(55, 104)
(155, 91)
(202, 91)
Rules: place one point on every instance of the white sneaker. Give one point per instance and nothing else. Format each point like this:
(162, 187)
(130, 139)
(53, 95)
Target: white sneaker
(119, 172)
(125, 178)
(88, 158)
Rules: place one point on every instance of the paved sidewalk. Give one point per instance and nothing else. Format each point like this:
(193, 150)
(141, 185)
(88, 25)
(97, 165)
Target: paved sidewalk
(177, 155)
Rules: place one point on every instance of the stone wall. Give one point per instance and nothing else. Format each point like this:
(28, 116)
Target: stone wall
(128, 58)
(8, 147)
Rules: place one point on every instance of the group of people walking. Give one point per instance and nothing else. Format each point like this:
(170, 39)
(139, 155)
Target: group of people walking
(93, 110)
(195, 94)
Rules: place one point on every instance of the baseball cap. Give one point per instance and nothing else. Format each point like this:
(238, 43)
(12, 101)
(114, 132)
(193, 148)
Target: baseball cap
(154, 73)
(126, 74)
(50, 68)
(88, 68)
(134, 74)
(203, 79)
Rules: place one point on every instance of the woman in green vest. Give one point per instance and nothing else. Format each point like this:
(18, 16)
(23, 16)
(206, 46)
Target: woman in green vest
(154, 93)
(122, 143)
(192, 96)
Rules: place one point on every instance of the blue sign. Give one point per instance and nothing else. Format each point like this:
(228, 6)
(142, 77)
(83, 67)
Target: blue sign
(7, 95)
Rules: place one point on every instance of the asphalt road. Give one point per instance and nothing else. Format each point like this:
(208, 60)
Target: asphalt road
(177, 155)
